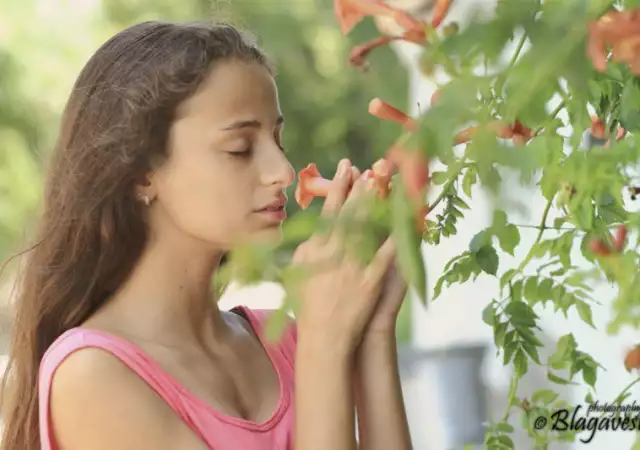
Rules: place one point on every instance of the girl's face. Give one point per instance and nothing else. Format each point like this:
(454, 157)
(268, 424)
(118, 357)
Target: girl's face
(226, 174)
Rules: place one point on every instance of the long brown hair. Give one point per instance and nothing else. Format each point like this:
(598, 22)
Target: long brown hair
(114, 128)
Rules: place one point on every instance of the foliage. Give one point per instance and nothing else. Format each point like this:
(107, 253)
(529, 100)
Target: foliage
(550, 74)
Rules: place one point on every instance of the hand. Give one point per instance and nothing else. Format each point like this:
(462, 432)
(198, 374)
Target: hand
(385, 315)
(393, 292)
(340, 294)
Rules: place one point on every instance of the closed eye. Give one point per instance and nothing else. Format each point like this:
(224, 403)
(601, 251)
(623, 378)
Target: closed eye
(242, 154)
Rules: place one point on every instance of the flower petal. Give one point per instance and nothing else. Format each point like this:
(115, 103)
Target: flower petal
(384, 110)
(310, 185)
(348, 15)
(359, 53)
(439, 12)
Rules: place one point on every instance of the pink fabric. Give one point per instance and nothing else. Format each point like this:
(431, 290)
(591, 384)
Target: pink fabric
(218, 431)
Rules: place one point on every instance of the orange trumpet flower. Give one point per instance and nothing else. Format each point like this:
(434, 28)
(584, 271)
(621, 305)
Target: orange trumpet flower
(351, 12)
(439, 12)
(310, 184)
(632, 359)
(382, 171)
(413, 168)
(500, 128)
(385, 111)
(359, 53)
(619, 31)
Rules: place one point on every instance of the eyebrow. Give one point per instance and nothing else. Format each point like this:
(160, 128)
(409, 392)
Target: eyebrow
(250, 124)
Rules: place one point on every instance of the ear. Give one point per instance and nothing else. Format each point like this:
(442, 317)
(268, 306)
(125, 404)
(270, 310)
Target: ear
(145, 187)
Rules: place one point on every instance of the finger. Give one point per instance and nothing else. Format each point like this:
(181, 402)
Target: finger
(346, 216)
(358, 190)
(395, 286)
(355, 174)
(382, 261)
(338, 190)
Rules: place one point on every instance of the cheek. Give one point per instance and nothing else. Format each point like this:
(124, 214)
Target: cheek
(205, 199)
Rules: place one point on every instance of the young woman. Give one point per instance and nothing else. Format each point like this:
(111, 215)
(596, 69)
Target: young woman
(169, 153)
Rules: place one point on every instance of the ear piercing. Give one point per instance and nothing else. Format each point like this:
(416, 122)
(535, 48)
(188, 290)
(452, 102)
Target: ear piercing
(146, 200)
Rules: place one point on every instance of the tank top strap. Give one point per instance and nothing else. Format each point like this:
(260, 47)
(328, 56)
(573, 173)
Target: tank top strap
(287, 343)
(129, 354)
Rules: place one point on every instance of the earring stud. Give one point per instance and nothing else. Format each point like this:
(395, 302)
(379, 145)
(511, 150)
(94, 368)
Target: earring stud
(146, 200)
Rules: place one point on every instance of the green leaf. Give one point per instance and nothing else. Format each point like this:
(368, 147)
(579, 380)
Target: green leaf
(527, 335)
(559, 380)
(469, 179)
(506, 441)
(487, 259)
(509, 238)
(531, 350)
(584, 311)
(521, 314)
(489, 314)
(479, 240)
(278, 320)
(438, 178)
(545, 290)
(499, 220)
(588, 398)
(531, 290)
(630, 106)
(503, 427)
(457, 201)
(520, 363)
(506, 277)
(544, 396)
(408, 242)
(589, 375)
(509, 349)
(499, 332)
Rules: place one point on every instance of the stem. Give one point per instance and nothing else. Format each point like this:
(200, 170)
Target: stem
(628, 387)
(446, 186)
(554, 113)
(624, 391)
(542, 228)
(537, 227)
(513, 388)
(514, 58)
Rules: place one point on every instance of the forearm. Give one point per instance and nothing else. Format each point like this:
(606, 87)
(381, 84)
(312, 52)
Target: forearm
(382, 419)
(324, 398)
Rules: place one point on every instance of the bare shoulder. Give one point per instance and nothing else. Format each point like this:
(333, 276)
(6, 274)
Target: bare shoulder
(98, 402)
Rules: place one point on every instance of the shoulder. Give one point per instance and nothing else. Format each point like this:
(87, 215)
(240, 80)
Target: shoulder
(97, 402)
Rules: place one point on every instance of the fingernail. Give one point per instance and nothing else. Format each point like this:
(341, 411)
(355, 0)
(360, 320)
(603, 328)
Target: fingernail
(371, 183)
(343, 166)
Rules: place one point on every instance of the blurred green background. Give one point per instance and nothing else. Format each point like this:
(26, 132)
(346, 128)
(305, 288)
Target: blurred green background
(45, 43)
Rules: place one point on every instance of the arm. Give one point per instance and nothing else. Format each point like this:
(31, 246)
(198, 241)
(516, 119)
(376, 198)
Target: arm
(324, 398)
(98, 403)
(382, 419)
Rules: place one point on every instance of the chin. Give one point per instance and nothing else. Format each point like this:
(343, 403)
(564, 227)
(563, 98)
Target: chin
(272, 235)
(266, 235)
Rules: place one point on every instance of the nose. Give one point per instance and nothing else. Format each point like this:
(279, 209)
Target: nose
(276, 169)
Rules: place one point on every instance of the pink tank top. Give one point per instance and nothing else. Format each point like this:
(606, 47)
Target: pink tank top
(218, 431)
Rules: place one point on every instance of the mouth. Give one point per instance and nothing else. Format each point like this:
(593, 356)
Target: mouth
(274, 212)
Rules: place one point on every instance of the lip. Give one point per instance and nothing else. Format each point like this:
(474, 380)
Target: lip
(274, 211)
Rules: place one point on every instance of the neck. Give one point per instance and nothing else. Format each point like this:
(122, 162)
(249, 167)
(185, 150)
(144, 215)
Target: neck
(169, 295)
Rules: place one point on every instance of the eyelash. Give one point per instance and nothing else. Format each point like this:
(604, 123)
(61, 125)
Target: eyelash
(249, 151)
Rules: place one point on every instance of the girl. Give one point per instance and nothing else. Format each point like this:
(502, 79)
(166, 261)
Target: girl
(169, 153)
